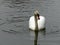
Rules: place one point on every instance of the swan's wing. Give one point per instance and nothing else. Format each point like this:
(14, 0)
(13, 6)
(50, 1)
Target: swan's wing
(32, 23)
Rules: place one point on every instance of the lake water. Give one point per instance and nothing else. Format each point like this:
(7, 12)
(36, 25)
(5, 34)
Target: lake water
(14, 17)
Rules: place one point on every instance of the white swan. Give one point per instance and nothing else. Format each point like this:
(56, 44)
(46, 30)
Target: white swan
(36, 22)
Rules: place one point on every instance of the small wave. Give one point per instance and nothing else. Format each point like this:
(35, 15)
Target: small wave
(11, 31)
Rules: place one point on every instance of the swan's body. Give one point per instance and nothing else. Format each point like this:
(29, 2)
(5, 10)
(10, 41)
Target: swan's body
(40, 23)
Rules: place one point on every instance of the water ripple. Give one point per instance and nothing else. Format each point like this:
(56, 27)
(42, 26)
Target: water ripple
(12, 31)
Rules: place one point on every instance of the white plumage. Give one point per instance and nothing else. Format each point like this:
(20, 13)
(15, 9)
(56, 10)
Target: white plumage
(40, 22)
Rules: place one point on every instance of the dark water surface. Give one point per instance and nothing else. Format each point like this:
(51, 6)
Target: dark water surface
(14, 17)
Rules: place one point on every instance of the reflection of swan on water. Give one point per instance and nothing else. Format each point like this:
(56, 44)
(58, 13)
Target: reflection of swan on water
(36, 36)
(37, 22)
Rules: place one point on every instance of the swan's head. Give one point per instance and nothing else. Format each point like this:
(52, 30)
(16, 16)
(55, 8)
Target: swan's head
(36, 13)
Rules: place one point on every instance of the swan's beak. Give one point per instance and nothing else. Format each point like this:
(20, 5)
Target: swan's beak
(38, 17)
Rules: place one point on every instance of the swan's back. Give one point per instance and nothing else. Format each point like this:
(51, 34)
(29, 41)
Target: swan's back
(41, 22)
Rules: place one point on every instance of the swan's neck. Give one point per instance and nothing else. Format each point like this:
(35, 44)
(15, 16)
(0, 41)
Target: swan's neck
(36, 14)
(36, 23)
